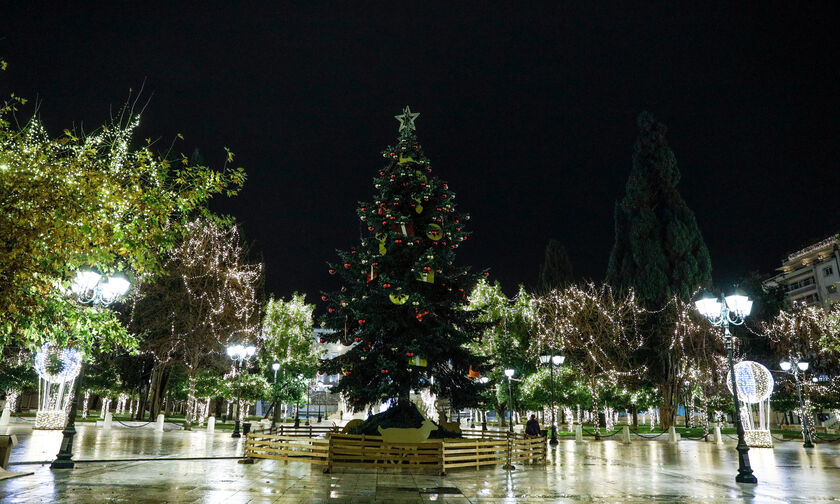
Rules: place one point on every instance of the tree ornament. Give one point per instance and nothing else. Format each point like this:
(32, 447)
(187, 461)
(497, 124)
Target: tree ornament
(398, 299)
(332, 271)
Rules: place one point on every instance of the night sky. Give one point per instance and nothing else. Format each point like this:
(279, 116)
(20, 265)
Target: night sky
(528, 113)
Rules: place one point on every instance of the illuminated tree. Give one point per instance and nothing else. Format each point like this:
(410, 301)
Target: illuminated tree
(694, 352)
(505, 341)
(81, 200)
(400, 305)
(208, 295)
(597, 330)
(287, 338)
(659, 250)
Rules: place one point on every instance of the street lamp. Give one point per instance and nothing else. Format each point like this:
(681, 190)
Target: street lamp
(799, 366)
(89, 289)
(239, 354)
(732, 309)
(275, 367)
(509, 374)
(484, 380)
(552, 361)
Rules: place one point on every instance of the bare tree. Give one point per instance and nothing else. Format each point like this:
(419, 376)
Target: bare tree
(209, 295)
(596, 329)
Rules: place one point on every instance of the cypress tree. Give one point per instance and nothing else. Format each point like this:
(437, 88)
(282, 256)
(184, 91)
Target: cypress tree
(556, 269)
(659, 250)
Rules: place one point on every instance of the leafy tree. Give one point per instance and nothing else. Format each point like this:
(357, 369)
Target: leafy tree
(659, 250)
(505, 341)
(287, 339)
(556, 269)
(101, 202)
(400, 306)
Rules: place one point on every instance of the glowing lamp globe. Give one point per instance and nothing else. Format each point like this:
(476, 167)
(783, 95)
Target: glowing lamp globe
(739, 304)
(803, 366)
(558, 359)
(755, 382)
(85, 281)
(785, 365)
(275, 366)
(509, 373)
(708, 306)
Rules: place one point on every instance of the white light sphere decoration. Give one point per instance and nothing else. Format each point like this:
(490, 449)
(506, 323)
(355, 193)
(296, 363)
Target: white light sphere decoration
(755, 382)
(55, 385)
(71, 363)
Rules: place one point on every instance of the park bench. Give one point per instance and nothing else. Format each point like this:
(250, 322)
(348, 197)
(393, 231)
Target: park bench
(6, 444)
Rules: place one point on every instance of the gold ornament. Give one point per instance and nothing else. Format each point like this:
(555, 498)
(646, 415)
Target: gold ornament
(434, 232)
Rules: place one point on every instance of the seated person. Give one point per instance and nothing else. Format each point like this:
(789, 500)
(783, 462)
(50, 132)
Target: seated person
(532, 428)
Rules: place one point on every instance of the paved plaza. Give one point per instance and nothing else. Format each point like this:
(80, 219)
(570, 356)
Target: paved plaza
(605, 471)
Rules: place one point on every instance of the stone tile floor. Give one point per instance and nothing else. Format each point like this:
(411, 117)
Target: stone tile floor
(606, 471)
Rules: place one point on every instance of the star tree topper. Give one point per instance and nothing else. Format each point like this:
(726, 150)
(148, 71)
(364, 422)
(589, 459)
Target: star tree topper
(407, 118)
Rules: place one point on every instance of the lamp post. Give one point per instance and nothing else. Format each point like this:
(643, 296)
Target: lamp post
(239, 354)
(509, 374)
(484, 379)
(552, 361)
(275, 367)
(798, 366)
(89, 289)
(731, 310)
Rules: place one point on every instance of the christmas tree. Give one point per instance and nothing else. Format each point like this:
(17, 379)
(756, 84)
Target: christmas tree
(401, 306)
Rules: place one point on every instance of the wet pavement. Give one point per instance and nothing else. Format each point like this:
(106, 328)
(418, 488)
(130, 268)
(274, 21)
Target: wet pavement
(605, 471)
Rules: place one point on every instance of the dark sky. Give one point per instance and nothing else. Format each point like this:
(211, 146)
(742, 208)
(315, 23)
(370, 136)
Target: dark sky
(529, 113)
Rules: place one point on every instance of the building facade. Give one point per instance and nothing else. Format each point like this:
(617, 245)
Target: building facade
(811, 275)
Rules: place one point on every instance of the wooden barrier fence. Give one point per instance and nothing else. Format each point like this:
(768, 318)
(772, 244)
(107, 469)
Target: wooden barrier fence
(347, 450)
(300, 431)
(295, 448)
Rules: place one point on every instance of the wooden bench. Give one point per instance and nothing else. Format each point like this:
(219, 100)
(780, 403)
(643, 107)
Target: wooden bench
(6, 444)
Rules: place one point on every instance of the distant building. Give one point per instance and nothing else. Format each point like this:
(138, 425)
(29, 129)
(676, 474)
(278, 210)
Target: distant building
(811, 275)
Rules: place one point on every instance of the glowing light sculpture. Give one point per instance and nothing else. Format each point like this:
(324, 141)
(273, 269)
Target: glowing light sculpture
(57, 371)
(755, 384)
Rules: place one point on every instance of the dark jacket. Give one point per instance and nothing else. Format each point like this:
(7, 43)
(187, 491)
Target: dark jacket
(532, 428)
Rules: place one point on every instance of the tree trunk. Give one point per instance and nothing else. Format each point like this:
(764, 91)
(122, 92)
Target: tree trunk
(593, 386)
(635, 418)
(188, 418)
(501, 415)
(157, 389)
(667, 412)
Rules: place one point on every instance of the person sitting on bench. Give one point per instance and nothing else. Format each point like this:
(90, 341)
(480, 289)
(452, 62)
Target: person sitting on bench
(532, 428)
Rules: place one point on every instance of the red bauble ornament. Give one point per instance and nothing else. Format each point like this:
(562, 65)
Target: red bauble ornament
(486, 273)
(370, 228)
(426, 268)
(384, 222)
(347, 265)
(397, 241)
(323, 298)
(361, 321)
(358, 339)
(384, 371)
(363, 209)
(396, 203)
(410, 354)
(387, 285)
(347, 373)
(322, 340)
(331, 310)
(320, 372)
(332, 271)
(445, 196)
(437, 271)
